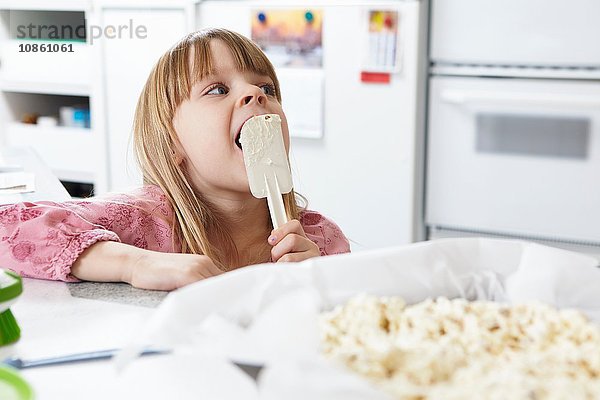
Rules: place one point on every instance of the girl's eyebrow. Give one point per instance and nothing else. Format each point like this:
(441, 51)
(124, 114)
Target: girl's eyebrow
(218, 74)
(208, 77)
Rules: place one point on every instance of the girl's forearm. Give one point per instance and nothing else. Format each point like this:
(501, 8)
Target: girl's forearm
(106, 262)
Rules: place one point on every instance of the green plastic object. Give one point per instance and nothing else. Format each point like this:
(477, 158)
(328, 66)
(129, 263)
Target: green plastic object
(12, 386)
(11, 286)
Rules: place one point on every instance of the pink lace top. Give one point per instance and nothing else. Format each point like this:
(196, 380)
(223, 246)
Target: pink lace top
(43, 239)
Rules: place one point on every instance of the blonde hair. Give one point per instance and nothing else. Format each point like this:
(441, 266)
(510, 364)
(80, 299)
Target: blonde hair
(197, 224)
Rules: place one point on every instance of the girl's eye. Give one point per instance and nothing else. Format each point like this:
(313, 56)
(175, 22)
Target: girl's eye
(218, 89)
(268, 89)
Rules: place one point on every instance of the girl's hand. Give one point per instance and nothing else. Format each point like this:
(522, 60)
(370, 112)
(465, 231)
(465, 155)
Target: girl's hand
(145, 269)
(290, 243)
(168, 271)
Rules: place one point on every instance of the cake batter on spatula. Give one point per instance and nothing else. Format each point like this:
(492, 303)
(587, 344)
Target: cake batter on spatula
(266, 163)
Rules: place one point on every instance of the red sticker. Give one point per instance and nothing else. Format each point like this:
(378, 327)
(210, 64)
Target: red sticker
(375, 77)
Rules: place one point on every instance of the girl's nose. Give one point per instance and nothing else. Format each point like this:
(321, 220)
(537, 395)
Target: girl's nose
(253, 95)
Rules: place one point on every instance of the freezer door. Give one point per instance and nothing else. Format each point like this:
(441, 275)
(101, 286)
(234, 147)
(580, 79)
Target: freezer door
(516, 32)
(515, 157)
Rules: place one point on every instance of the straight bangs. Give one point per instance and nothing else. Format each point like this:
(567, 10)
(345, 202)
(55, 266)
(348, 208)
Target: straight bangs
(248, 57)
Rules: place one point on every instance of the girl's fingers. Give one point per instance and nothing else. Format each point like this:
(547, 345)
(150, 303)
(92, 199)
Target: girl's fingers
(291, 227)
(294, 244)
(291, 243)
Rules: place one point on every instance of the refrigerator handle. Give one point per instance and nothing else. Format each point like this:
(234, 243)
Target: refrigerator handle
(474, 98)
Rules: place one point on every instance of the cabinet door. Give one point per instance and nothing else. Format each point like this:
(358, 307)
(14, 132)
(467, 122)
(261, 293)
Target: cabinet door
(518, 157)
(127, 64)
(515, 32)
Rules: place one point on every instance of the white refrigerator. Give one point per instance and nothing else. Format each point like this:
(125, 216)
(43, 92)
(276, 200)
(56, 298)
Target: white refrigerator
(356, 119)
(514, 121)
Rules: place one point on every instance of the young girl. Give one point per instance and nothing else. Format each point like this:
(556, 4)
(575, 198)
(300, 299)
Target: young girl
(195, 201)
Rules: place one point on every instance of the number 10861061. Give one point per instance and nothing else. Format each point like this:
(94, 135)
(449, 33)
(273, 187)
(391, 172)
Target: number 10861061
(46, 48)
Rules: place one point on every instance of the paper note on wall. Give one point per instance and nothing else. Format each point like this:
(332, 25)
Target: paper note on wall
(382, 53)
(292, 39)
(303, 99)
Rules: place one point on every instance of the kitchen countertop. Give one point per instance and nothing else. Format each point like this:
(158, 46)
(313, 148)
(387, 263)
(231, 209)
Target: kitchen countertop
(116, 292)
(58, 318)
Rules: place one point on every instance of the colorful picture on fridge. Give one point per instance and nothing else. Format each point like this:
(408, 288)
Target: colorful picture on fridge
(383, 40)
(290, 38)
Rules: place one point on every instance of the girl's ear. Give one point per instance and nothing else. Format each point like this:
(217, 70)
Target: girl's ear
(177, 153)
(178, 156)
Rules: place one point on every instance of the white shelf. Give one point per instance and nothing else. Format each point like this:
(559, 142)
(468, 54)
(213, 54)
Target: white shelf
(57, 69)
(71, 153)
(57, 5)
(64, 89)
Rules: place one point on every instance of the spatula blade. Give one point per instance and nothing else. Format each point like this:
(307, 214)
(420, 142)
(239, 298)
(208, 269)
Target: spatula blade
(264, 154)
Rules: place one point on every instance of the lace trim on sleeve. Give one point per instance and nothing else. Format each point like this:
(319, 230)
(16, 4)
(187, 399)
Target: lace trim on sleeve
(59, 268)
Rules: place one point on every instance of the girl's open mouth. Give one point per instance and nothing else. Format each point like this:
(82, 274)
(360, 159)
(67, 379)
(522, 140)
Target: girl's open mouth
(237, 140)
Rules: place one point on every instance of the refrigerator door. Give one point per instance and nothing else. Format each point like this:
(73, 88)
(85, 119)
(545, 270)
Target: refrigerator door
(517, 156)
(514, 32)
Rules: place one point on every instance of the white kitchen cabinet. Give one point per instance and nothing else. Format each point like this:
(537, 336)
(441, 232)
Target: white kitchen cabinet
(105, 75)
(38, 77)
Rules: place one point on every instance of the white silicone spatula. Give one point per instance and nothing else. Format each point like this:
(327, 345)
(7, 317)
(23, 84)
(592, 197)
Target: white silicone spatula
(266, 163)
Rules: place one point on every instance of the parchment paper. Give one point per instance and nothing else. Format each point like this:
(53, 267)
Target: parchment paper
(268, 314)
